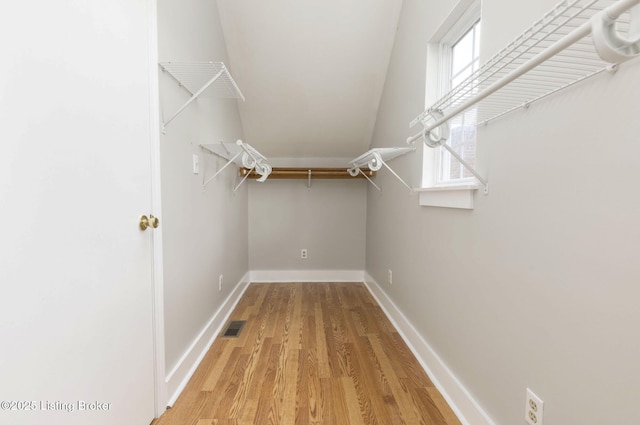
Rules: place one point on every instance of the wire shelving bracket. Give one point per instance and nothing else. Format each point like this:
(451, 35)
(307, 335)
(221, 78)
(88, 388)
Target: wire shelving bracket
(553, 54)
(200, 79)
(243, 155)
(376, 159)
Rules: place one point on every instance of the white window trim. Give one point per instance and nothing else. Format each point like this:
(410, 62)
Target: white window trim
(458, 193)
(452, 196)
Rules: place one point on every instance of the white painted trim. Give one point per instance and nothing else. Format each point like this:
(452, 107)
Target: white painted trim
(160, 389)
(462, 17)
(307, 275)
(468, 411)
(448, 196)
(178, 378)
(460, 12)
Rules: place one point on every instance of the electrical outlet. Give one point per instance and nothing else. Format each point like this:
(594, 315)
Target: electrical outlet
(303, 254)
(220, 283)
(196, 164)
(390, 277)
(533, 409)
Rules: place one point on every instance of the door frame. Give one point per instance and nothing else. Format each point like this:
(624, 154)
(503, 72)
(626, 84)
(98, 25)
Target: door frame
(157, 280)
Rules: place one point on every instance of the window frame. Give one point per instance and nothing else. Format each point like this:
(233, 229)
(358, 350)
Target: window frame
(452, 193)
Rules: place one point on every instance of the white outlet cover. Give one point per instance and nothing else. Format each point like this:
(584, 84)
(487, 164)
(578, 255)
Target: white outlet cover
(196, 164)
(534, 409)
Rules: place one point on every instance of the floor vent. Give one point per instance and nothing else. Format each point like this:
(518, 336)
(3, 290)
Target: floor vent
(233, 329)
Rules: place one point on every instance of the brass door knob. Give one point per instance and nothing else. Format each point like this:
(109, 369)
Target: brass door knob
(150, 221)
(154, 221)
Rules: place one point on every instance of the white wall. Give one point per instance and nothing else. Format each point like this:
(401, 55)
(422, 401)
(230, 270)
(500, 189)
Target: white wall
(329, 220)
(205, 231)
(538, 285)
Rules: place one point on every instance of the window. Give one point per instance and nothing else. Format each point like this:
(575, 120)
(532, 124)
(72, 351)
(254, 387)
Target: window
(453, 55)
(461, 59)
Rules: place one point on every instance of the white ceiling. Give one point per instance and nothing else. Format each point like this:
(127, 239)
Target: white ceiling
(312, 71)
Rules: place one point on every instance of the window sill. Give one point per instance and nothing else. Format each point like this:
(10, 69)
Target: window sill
(458, 196)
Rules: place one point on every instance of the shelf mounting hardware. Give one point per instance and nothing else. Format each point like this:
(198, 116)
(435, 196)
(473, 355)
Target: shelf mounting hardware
(197, 78)
(243, 155)
(375, 159)
(359, 170)
(610, 45)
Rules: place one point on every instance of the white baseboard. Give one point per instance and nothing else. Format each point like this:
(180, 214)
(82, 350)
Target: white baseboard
(462, 403)
(306, 275)
(178, 378)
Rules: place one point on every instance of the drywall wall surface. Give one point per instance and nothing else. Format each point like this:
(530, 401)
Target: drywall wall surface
(205, 229)
(328, 220)
(538, 285)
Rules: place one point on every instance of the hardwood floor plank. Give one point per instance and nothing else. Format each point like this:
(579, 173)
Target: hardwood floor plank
(443, 408)
(249, 376)
(286, 391)
(265, 370)
(369, 385)
(321, 342)
(254, 296)
(400, 394)
(237, 361)
(296, 323)
(427, 408)
(304, 398)
(352, 402)
(335, 335)
(248, 412)
(228, 391)
(219, 362)
(310, 354)
(319, 399)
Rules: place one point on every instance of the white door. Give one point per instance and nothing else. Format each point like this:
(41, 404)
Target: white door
(76, 296)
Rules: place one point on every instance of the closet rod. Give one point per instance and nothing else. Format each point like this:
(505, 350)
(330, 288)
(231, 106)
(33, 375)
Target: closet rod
(303, 173)
(608, 14)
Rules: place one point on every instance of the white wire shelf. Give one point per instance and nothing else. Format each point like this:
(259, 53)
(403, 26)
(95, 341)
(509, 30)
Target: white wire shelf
(556, 52)
(243, 155)
(202, 79)
(194, 75)
(375, 159)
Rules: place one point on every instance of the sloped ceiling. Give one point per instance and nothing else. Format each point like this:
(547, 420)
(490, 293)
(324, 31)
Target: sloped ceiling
(312, 71)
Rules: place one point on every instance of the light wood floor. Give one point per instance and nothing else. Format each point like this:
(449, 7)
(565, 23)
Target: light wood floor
(310, 353)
